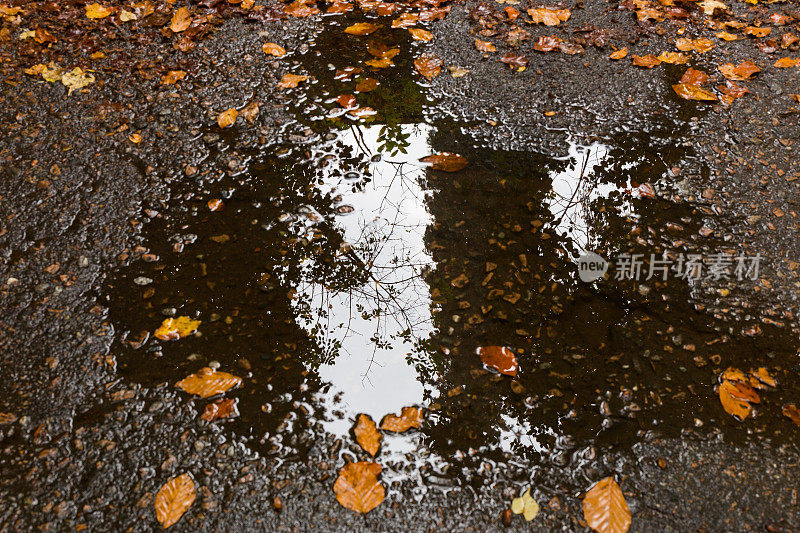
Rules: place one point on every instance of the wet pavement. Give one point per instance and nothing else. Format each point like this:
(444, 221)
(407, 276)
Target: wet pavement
(337, 274)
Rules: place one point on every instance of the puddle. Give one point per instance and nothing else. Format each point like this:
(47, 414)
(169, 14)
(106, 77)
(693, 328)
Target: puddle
(328, 282)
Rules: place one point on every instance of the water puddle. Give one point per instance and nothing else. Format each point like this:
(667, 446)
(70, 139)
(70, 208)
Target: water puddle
(343, 276)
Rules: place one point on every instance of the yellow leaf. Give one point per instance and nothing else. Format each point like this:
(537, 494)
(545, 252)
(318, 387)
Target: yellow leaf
(605, 509)
(274, 49)
(208, 382)
(367, 434)
(458, 72)
(135, 138)
(227, 118)
(420, 35)
(517, 506)
(173, 499)
(96, 11)
(692, 92)
(181, 20)
(127, 16)
(357, 488)
(726, 36)
(172, 329)
(361, 28)
(76, 79)
(786, 62)
(742, 71)
(673, 58)
(619, 54)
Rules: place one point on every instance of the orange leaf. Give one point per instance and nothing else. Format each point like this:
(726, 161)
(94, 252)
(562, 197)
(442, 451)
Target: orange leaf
(406, 20)
(692, 92)
(274, 49)
(361, 28)
(619, 54)
(428, 65)
(215, 204)
(673, 58)
(172, 329)
(367, 434)
(208, 382)
(348, 101)
(757, 32)
(500, 358)
(227, 118)
(446, 161)
(97, 11)
(300, 9)
(180, 20)
(220, 409)
(367, 84)
(485, 46)
(420, 35)
(547, 43)
(290, 81)
(733, 405)
(739, 72)
(357, 488)
(694, 77)
(173, 499)
(605, 509)
(792, 412)
(698, 45)
(339, 7)
(548, 17)
(763, 376)
(172, 77)
(648, 61)
(410, 417)
(786, 62)
(743, 391)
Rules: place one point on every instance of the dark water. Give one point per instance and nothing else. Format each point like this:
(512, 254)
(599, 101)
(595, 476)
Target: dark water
(326, 282)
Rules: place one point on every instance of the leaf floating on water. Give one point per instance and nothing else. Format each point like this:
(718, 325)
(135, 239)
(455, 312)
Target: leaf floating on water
(605, 509)
(300, 9)
(97, 11)
(172, 329)
(173, 499)
(208, 382)
(274, 49)
(181, 20)
(290, 81)
(357, 488)
(428, 65)
(446, 161)
(526, 506)
(367, 434)
(548, 17)
(741, 72)
(410, 417)
(500, 358)
(361, 28)
(791, 411)
(221, 409)
(694, 77)
(735, 394)
(762, 375)
(367, 84)
(227, 118)
(693, 92)
(406, 20)
(420, 35)
(347, 101)
(673, 58)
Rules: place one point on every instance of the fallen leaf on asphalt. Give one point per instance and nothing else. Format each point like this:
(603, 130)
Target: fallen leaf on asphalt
(420, 35)
(367, 434)
(525, 505)
(757, 32)
(410, 417)
(698, 45)
(300, 9)
(786, 62)
(731, 91)
(76, 79)
(548, 17)
(361, 28)
(485, 46)
(181, 20)
(97, 11)
(500, 358)
(791, 411)
(290, 81)
(274, 49)
(673, 58)
(446, 161)
(694, 77)
(172, 77)
(173, 499)
(648, 61)
(208, 382)
(742, 71)
(619, 54)
(367, 84)
(605, 509)
(127, 16)
(357, 488)
(135, 138)
(428, 65)
(513, 60)
(546, 43)
(458, 72)
(215, 204)
(225, 408)
(708, 6)
(692, 92)
(227, 118)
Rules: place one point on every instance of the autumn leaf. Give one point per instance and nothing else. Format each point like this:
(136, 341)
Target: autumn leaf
(406, 20)
(97, 11)
(458, 72)
(290, 81)
(731, 91)
(446, 161)
(526, 506)
(428, 65)
(367, 84)
(348, 101)
(172, 329)
(605, 509)
(215, 204)
(698, 45)
(224, 408)
(127, 16)
(181, 20)
(742, 71)
(420, 35)
(761, 375)
(208, 382)
(361, 28)
(300, 9)
(367, 434)
(485, 46)
(173, 499)
(546, 43)
(757, 32)
(548, 17)
(619, 54)
(274, 49)
(692, 92)
(227, 118)
(786, 62)
(725, 36)
(648, 61)
(410, 417)
(339, 7)
(172, 77)
(76, 79)
(791, 411)
(709, 6)
(357, 488)
(513, 60)
(733, 406)
(673, 58)
(500, 358)
(694, 77)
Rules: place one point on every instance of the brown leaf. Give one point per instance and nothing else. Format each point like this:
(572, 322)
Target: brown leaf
(220, 409)
(367, 434)
(692, 92)
(274, 49)
(485, 46)
(290, 81)
(731, 91)
(180, 20)
(428, 65)
(500, 358)
(792, 412)
(347, 101)
(173, 499)
(757, 32)
(548, 17)
(605, 509)
(742, 71)
(446, 161)
(361, 28)
(517, 61)
(420, 35)
(410, 417)
(786, 62)
(406, 20)
(367, 84)
(694, 77)
(208, 382)
(547, 43)
(339, 7)
(357, 488)
(227, 118)
(673, 58)
(250, 111)
(300, 9)
(172, 77)
(648, 61)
